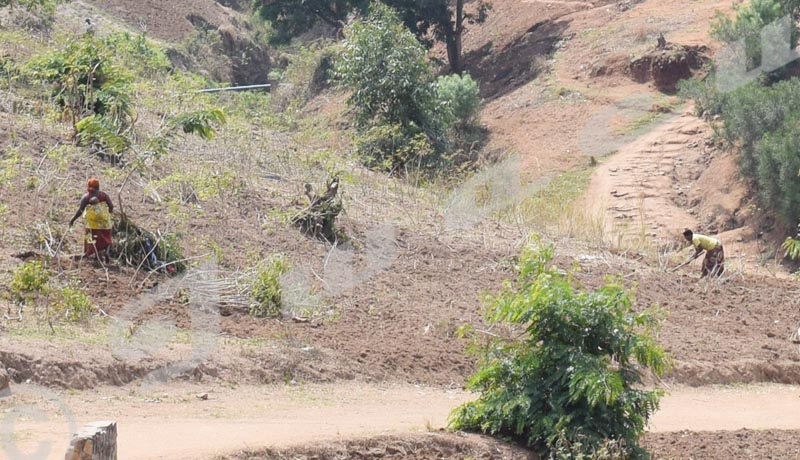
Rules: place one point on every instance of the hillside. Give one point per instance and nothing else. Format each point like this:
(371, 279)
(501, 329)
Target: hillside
(612, 170)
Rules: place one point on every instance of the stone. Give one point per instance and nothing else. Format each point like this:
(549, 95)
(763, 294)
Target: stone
(5, 381)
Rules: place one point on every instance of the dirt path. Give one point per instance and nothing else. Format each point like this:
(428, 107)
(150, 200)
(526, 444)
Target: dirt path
(632, 191)
(170, 422)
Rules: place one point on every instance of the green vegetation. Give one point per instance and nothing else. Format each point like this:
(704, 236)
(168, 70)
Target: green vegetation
(265, 288)
(792, 248)
(568, 370)
(92, 90)
(437, 19)
(458, 96)
(29, 280)
(32, 284)
(749, 21)
(73, 304)
(760, 118)
(403, 114)
(393, 92)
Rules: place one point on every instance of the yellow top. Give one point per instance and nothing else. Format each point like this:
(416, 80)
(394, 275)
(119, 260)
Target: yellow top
(97, 216)
(704, 242)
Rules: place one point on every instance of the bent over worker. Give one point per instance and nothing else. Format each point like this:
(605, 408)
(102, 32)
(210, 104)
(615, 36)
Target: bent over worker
(714, 262)
(96, 208)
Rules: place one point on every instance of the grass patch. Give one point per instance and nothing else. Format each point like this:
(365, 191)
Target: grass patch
(65, 333)
(554, 208)
(644, 122)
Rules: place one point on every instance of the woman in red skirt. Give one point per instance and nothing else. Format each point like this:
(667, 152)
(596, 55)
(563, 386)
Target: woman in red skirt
(96, 208)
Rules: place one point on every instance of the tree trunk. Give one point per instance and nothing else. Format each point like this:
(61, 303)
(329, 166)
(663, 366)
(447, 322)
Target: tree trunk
(453, 39)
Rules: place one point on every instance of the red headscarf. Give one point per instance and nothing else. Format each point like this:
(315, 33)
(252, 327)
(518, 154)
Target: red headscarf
(93, 184)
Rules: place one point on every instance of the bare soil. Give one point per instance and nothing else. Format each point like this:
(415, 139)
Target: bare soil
(171, 21)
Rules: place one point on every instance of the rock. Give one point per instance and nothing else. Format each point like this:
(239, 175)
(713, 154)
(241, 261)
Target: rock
(5, 380)
(202, 396)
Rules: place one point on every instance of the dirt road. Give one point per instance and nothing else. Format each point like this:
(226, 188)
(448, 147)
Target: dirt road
(171, 422)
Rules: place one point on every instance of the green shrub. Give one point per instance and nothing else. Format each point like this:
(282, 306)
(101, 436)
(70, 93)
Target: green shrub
(266, 287)
(459, 97)
(570, 368)
(87, 83)
(389, 147)
(28, 280)
(391, 81)
(777, 157)
(762, 123)
(135, 52)
(72, 304)
(792, 248)
(748, 23)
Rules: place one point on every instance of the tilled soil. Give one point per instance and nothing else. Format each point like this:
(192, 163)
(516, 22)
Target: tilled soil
(724, 445)
(684, 445)
(400, 325)
(440, 446)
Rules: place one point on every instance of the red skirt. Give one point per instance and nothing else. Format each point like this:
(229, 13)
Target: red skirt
(96, 241)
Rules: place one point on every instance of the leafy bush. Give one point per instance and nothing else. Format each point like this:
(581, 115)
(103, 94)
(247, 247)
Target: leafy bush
(792, 248)
(391, 80)
(389, 147)
(460, 99)
(570, 369)
(777, 157)
(28, 280)
(33, 283)
(748, 23)
(137, 53)
(762, 123)
(266, 287)
(87, 83)
(72, 304)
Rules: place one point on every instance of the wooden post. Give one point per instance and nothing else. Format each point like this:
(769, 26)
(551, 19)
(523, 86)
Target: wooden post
(95, 441)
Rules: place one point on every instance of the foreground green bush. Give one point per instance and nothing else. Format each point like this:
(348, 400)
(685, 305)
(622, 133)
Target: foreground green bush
(569, 370)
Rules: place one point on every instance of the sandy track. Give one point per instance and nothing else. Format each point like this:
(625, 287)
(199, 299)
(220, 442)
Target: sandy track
(631, 191)
(182, 427)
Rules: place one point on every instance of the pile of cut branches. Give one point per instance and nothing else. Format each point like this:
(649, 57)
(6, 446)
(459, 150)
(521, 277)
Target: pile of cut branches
(137, 247)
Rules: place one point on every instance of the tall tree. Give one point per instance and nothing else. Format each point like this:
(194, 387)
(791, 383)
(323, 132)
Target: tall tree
(443, 20)
(430, 20)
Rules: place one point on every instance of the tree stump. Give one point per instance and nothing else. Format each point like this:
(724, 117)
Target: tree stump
(95, 441)
(318, 219)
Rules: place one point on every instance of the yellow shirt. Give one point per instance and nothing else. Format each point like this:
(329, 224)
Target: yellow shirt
(98, 216)
(704, 242)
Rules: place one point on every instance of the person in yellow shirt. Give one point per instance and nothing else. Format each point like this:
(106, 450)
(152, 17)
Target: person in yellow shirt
(96, 208)
(714, 262)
